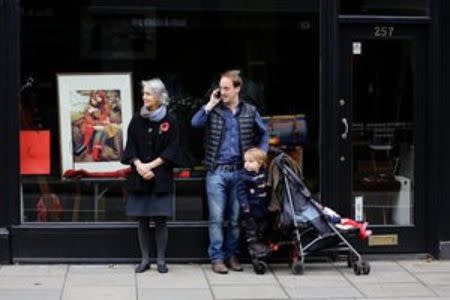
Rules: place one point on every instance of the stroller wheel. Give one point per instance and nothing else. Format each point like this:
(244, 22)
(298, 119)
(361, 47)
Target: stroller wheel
(357, 268)
(259, 266)
(297, 268)
(365, 267)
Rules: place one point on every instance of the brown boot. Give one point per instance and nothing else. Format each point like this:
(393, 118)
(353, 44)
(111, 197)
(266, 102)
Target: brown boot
(234, 264)
(219, 267)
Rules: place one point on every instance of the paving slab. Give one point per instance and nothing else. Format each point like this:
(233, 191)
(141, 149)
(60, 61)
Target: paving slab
(179, 276)
(100, 279)
(99, 293)
(19, 294)
(30, 270)
(388, 290)
(175, 294)
(315, 275)
(101, 269)
(269, 291)
(101, 275)
(31, 283)
(442, 291)
(380, 272)
(398, 280)
(433, 279)
(247, 277)
(306, 281)
(425, 266)
(309, 268)
(408, 298)
(326, 298)
(323, 292)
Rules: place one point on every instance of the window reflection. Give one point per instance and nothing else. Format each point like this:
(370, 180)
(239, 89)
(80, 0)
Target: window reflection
(278, 54)
(383, 130)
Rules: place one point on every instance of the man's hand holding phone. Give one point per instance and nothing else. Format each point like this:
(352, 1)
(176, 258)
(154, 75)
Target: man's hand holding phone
(214, 99)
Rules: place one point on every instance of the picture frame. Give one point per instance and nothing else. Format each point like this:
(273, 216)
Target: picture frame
(94, 112)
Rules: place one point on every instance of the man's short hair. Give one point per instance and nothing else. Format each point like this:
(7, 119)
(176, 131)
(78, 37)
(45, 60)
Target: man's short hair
(234, 76)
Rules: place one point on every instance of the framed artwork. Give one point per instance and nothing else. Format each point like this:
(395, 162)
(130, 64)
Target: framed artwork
(94, 112)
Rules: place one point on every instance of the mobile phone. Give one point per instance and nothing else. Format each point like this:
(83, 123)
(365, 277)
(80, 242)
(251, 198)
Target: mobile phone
(217, 94)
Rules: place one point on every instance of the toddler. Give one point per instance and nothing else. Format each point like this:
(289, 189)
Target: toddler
(252, 197)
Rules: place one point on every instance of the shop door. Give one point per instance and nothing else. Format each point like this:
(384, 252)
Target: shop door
(381, 111)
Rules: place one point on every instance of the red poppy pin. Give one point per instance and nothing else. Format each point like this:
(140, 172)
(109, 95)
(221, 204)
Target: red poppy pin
(164, 127)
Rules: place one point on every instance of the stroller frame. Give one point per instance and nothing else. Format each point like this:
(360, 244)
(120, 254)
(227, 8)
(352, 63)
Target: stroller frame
(354, 259)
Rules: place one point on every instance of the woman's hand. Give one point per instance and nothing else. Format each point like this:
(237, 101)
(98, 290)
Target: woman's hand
(149, 175)
(145, 169)
(141, 168)
(153, 164)
(149, 166)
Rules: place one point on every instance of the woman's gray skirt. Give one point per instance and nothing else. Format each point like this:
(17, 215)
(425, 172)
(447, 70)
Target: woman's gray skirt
(149, 205)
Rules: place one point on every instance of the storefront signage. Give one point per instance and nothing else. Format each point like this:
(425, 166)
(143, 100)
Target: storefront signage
(158, 22)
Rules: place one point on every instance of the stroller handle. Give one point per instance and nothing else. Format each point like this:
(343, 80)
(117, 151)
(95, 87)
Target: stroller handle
(287, 171)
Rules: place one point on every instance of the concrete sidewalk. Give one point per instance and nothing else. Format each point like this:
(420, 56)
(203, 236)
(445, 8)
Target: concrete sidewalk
(400, 279)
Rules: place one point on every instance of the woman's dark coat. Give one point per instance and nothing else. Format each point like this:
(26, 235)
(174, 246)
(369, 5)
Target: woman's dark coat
(147, 141)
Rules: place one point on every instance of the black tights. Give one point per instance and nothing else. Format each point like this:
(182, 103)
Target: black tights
(161, 235)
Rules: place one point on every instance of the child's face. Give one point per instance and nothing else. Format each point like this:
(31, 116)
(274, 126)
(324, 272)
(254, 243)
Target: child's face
(251, 164)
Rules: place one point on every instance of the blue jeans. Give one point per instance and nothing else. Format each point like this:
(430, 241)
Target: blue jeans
(223, 204)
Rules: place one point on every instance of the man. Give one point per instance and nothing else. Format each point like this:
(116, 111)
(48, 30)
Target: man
(232, 127)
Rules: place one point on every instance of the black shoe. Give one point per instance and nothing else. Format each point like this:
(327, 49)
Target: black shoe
(162, 268)
(142, 267)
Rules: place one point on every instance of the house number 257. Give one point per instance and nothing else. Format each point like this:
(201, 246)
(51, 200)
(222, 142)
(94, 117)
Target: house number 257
(383, 31)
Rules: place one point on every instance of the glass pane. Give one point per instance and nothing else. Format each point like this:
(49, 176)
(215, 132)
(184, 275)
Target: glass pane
(384, 7)
(383, 129)
(278, 54)
(80, 200)
(191, 201)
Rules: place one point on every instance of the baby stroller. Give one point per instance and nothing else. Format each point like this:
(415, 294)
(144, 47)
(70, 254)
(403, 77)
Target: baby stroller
(309, 229)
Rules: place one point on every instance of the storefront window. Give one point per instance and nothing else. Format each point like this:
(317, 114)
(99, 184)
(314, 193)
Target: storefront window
(278, 54)
(384, 7)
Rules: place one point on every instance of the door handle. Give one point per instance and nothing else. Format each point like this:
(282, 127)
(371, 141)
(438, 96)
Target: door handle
(345, 133)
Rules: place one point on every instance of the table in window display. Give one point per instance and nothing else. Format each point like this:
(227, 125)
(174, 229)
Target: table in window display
(101, 187)
(70, 194)
(390, 205)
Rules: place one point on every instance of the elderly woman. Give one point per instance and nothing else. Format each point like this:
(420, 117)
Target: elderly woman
(152, 150)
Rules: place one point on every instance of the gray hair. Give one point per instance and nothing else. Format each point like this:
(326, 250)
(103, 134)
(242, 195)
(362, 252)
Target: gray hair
(156, 86)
